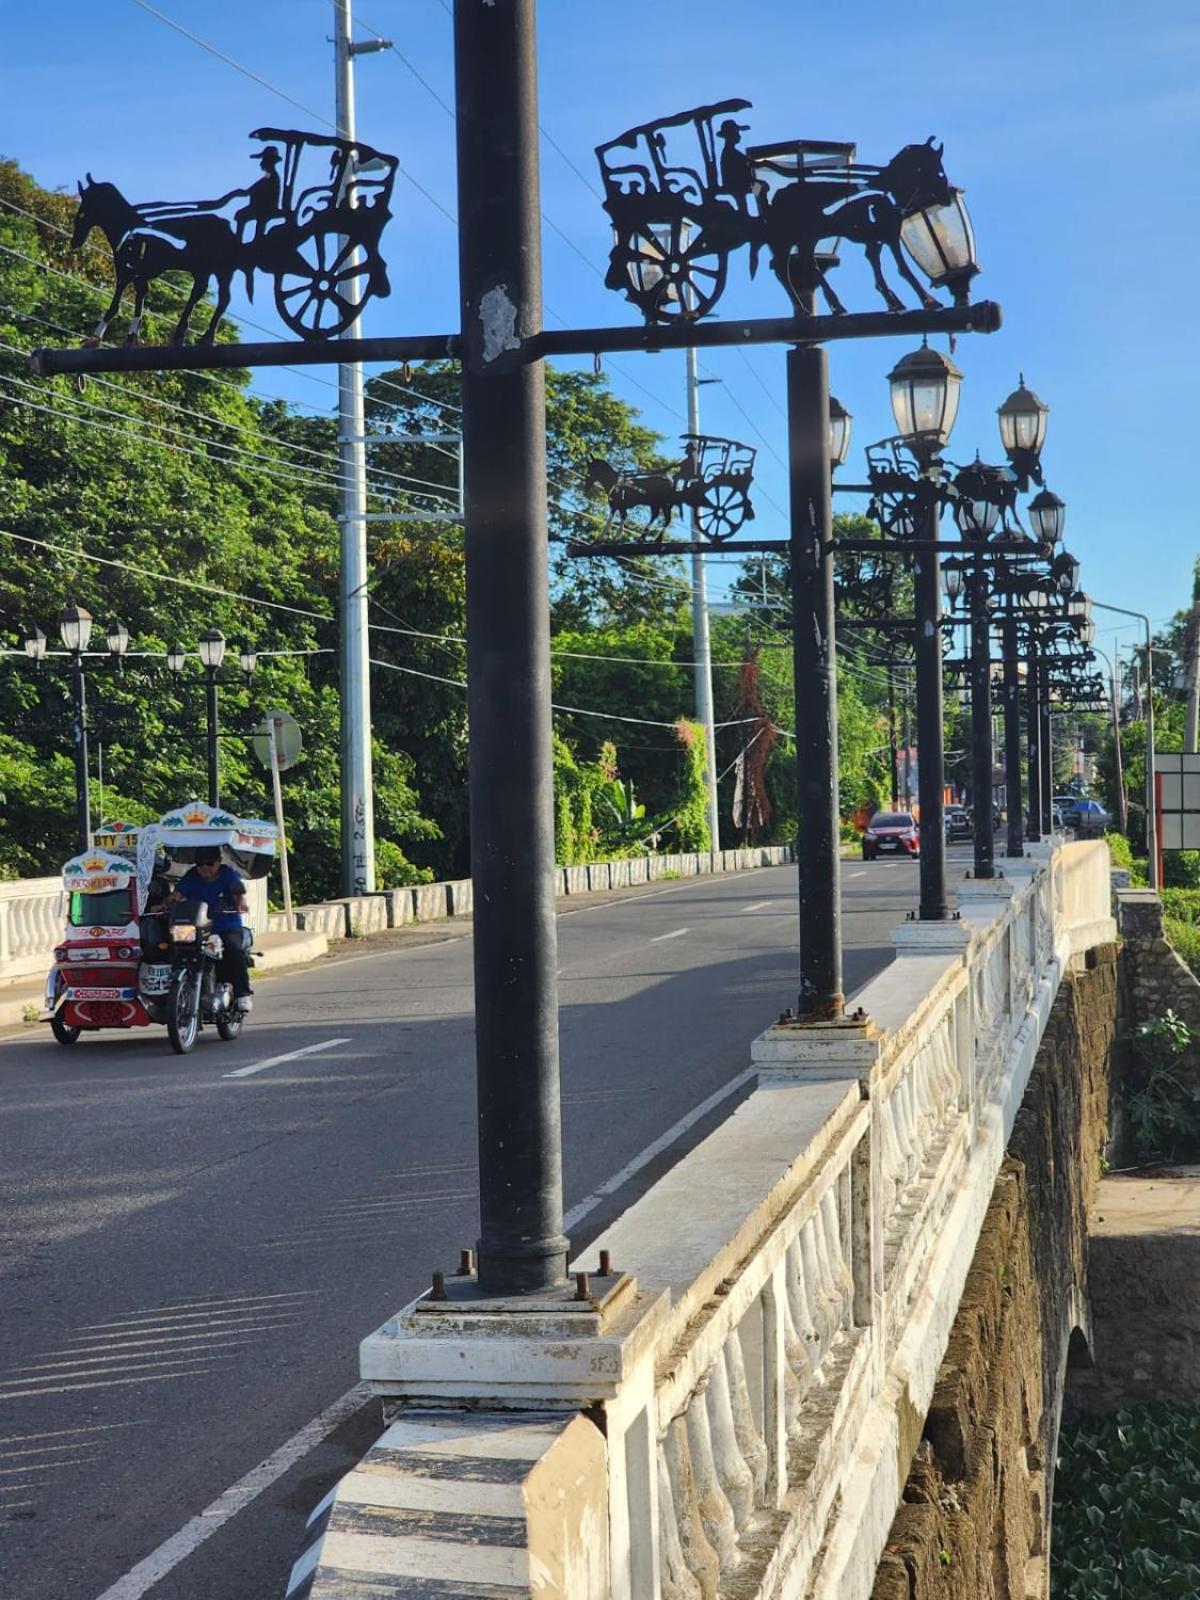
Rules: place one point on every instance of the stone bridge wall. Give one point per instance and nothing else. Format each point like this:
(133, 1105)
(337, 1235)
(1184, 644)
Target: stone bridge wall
(974, 1522)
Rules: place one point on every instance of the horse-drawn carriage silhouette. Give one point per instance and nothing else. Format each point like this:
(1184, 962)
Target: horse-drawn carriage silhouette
(712, 480)
(314, 228)
(683, 195)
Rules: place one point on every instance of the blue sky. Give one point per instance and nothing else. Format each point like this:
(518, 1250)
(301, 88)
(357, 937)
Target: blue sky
(1072, 127)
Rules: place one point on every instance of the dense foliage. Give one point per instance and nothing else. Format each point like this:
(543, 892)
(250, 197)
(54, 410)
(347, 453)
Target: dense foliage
(1126, 1507)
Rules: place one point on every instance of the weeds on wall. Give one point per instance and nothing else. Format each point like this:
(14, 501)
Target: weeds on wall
(1164, 1111)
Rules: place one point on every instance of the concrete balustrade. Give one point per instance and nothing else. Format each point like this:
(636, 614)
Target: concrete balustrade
(761, 1356)
(33, 910)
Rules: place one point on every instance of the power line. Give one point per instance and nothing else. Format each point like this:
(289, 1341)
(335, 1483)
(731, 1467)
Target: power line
(274, 89)
(164, 577)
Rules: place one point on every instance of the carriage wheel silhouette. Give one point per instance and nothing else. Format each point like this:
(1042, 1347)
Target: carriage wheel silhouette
(322, 300)
(722, 511)
(673, 274)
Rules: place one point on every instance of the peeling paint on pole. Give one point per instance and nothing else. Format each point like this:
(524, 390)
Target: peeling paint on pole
(498, 319)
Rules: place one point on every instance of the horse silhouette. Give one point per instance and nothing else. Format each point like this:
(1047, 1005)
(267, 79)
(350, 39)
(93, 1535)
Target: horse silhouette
(799, 216)
(208, 249)
(625, 492)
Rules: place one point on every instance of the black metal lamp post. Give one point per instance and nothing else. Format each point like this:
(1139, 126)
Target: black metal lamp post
(75, 629)
(977, 512)
(925, 388)
(211, 649)
(1035, 599)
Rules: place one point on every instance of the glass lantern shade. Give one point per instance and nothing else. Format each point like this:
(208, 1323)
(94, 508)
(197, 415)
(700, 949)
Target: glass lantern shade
(941, 241)
(839, 432)
(34, 641)
(1079, 605)
(1023, 420)
(1048, 515)
(977, 518)
(75, 627)
(1180, 681)
(249, 660)
(176, 656)
(952, 579)
(117, 638)
(1087, 630)
(211, 648)
(925, 390)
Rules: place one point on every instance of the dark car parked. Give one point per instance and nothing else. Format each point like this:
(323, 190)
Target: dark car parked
(892, 833)
(1088, 818)
(959, 824)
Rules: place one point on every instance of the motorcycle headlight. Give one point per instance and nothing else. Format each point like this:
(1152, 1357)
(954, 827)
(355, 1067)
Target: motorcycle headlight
(183, 932)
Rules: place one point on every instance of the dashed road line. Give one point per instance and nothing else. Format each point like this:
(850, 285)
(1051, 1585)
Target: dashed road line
(291, 1055)
(678, 934)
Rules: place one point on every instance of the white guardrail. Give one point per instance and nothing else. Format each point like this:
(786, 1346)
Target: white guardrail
(737, 1415)
(33, 910)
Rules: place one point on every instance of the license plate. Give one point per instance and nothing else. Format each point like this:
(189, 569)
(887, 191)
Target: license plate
(888, 844)
(155, 979)
(106, 1014)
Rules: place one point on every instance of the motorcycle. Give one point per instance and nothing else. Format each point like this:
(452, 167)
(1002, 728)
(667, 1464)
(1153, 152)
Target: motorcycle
(179, 980)
(127, 957)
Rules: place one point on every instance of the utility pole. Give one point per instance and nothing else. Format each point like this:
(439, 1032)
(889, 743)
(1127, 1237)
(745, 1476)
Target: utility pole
(701, 653)
(1190, 727)
(892, 761)
(358, 792)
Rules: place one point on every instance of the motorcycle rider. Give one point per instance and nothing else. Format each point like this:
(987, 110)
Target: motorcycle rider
(223, 891)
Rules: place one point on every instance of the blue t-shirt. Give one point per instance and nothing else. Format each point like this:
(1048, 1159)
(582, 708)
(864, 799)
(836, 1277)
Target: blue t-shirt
(218, 894)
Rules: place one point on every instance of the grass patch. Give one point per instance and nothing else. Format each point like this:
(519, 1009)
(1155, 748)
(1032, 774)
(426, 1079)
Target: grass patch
(1183, 936)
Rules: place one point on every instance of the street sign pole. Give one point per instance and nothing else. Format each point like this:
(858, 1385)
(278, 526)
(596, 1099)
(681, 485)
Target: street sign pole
(277, 796)
(522, 1247)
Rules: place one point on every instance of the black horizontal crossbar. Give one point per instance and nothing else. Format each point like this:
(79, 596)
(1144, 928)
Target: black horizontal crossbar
(982, 318)
(672, 547)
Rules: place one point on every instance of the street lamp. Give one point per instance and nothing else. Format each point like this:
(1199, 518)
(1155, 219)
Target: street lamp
(176, 656)
(34, 641)
(75, 629)
(249, 661)
(952, 579)
(941, 241)
(925, 387)
(839, 432)
(1048, 515)
(211, 648)
(1065, 572)
(117, 640)
(1023, 431)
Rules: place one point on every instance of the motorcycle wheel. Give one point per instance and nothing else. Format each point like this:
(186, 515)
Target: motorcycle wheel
(229, 1022)
(63, 1031)
(183, 1017)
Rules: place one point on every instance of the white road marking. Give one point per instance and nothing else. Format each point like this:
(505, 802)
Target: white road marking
(678, 934)
(292, 1055)
(664, 1140)
(138, 1580)
(154, 1567)
(760, 905)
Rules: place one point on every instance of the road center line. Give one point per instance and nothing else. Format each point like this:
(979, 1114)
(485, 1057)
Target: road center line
(678, 934)
(291, 1055)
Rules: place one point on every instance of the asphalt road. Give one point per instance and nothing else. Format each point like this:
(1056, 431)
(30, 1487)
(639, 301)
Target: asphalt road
(189, 1257)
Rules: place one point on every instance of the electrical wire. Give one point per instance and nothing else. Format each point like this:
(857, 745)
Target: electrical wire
(164, 577)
